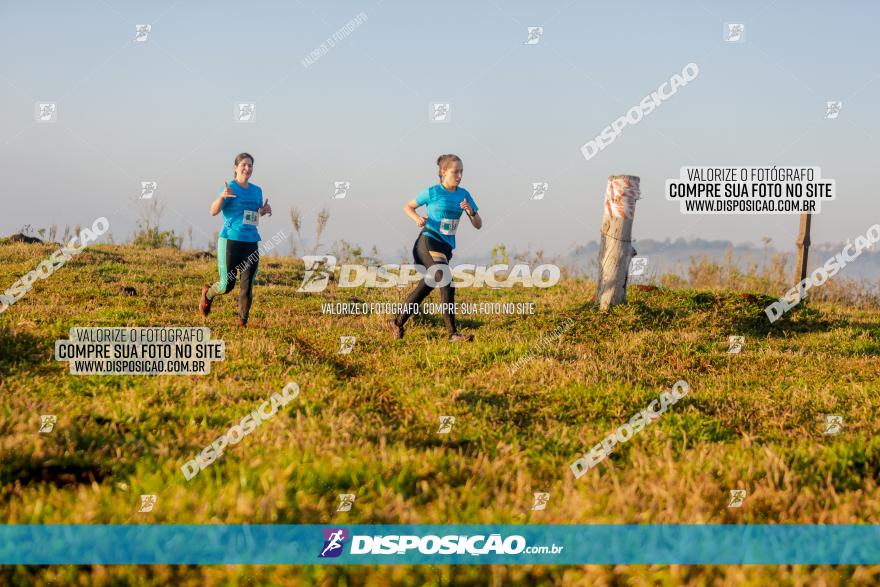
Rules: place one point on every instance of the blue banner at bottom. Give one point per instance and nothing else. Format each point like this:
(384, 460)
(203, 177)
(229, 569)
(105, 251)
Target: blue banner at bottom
(458, 544)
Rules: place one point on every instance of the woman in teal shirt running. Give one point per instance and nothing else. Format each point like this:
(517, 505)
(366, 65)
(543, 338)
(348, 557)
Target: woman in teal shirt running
(445, 204)
(241, 203)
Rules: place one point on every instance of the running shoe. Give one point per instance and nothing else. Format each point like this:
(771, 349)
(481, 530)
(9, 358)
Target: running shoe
(395, 330)
(205, 303)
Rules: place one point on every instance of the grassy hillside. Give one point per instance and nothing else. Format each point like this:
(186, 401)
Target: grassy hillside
(366, 423)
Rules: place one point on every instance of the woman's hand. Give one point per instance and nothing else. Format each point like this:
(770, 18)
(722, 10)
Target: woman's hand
(410, 210)
(475, 219)
(217, 204)
(266, 209)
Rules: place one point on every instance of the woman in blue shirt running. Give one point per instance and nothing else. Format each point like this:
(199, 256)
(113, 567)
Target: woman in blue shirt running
(445, 203)
(238, 252)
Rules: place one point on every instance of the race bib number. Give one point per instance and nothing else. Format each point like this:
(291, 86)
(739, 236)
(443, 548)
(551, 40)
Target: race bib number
(448, 226)
(251, 217)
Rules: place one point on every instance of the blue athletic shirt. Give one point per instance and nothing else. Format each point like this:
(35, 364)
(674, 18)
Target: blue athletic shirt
(444, 211)
(241, 214)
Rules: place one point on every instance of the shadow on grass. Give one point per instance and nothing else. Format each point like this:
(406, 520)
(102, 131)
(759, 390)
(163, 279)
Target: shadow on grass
(57, 471)
(466, 446)
(21, 350)
(735, 311)
(102, 256)
(382, 403)
(847, 465)
(473, 398)
(436, 321)
(340, 369)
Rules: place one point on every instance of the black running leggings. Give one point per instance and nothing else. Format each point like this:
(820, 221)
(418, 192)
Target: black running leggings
(422, 250)
(242, 258)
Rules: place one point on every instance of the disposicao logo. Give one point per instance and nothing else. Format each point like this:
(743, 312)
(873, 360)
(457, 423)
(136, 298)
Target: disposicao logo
(334, 542)
(319, 270)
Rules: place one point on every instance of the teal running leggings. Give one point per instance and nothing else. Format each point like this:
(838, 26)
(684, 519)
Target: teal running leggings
(237, 258)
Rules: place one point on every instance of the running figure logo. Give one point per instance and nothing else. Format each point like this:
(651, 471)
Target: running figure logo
(47, 423)
(735, 344)
(539, 189)
(440, 112)
(534, 35)
(245, 112)
(833, 424)
(148, 188)
(734, 32)
(541, 500)
(334, 542)
(736, 498)
(318, 269)
(147, 503)
(446, 423)
(142, 32)
(47, 112)
(832, 109)
(346, 500)
(637, 266)
(346, 344)
(340, 189)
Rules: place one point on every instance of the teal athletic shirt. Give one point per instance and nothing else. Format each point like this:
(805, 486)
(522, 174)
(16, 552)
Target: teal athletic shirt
(444, 211)
(241, 214)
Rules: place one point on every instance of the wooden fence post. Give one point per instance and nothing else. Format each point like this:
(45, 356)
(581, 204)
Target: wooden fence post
(803, 248)
(615, 249)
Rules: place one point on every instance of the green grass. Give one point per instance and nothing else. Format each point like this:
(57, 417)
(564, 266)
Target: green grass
(365, 423)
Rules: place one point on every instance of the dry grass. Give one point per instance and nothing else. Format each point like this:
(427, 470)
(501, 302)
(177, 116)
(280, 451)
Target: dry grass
(365, 423)
(774, 276)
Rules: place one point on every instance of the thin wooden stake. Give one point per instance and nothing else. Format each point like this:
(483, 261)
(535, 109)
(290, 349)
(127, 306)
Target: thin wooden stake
(803, 248)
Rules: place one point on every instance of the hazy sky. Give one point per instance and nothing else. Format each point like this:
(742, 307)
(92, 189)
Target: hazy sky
(163, 110)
